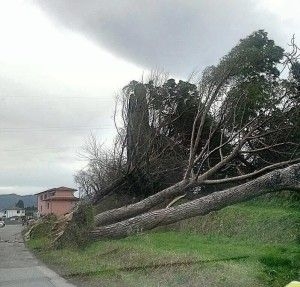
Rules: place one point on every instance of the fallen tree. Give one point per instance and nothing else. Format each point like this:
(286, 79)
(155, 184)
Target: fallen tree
(274, 181)
(253, 129)
(115, 215)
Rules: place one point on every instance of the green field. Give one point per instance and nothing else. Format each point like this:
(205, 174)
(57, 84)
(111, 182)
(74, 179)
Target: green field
(250, 244)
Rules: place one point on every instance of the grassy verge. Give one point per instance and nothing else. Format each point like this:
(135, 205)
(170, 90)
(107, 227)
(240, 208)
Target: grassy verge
(251, 244)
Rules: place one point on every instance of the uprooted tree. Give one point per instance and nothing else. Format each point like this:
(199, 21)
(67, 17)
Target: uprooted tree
(235, 130)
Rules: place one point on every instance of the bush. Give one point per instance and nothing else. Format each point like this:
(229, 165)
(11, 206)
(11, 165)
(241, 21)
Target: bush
(43, 228)
(77, 231)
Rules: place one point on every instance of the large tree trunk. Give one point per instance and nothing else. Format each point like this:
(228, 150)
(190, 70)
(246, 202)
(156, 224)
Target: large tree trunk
(124, 212)
(273, 181)
(138, 129)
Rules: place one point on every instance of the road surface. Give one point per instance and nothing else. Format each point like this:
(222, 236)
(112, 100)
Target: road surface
(19, 268)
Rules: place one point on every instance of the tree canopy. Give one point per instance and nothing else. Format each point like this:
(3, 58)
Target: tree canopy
(239, 120)
(20, 204)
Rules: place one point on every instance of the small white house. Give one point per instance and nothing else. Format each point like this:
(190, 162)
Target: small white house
(2, 214)
(13, 212)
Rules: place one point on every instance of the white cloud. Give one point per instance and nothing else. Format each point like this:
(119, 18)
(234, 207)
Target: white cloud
(55, 87)
(57, 81)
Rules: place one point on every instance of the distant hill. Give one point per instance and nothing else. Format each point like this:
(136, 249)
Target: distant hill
(9, 200)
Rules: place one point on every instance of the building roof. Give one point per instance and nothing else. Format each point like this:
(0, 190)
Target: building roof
(13, 208)
(62, 188)
(64, 198)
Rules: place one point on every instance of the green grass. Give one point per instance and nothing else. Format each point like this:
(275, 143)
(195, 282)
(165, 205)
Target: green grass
(251, 244)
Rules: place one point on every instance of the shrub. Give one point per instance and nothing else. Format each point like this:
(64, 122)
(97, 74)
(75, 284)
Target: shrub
(77, 231)
(43, 228)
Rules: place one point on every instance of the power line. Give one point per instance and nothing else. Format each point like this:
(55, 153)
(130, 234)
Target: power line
(54, 127)
(51, 129)
(63, 148)
(55, 98)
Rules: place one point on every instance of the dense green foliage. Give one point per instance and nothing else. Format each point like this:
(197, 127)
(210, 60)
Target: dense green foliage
(254, 74)
(244, 94)
(77, 232)
(20, 203)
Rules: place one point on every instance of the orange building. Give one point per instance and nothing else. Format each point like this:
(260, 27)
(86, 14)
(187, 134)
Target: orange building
(57, 201)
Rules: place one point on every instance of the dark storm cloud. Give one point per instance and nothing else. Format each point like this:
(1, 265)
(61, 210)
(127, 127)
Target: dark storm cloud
(177, 35)
(55, 86)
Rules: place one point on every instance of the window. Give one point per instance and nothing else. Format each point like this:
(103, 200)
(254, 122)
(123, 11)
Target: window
(41, 208)
(18, 211)
(48, 205)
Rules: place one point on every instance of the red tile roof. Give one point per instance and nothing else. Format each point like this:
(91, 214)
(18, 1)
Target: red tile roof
(64, 198)
(62, 188)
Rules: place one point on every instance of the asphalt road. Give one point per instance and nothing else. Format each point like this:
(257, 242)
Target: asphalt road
(19, 268)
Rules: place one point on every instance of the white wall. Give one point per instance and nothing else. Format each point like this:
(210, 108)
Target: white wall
(11, 213)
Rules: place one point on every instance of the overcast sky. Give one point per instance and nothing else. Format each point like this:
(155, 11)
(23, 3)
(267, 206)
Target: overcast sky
(63, 61)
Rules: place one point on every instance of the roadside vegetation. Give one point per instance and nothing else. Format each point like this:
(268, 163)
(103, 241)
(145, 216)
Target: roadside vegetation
(185, 149)
(228, 134)
(251, 244)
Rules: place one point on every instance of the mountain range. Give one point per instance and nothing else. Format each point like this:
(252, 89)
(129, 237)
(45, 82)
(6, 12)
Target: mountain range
(10, 200)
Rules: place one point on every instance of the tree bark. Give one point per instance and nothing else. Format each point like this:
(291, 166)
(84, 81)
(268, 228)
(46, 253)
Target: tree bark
(124, 212)
(138, 129)
(273, 181)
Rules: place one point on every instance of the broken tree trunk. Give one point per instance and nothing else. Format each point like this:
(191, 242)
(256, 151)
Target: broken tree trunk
(115, 215)
(138, 129)
(273, 181)
(178, 189)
